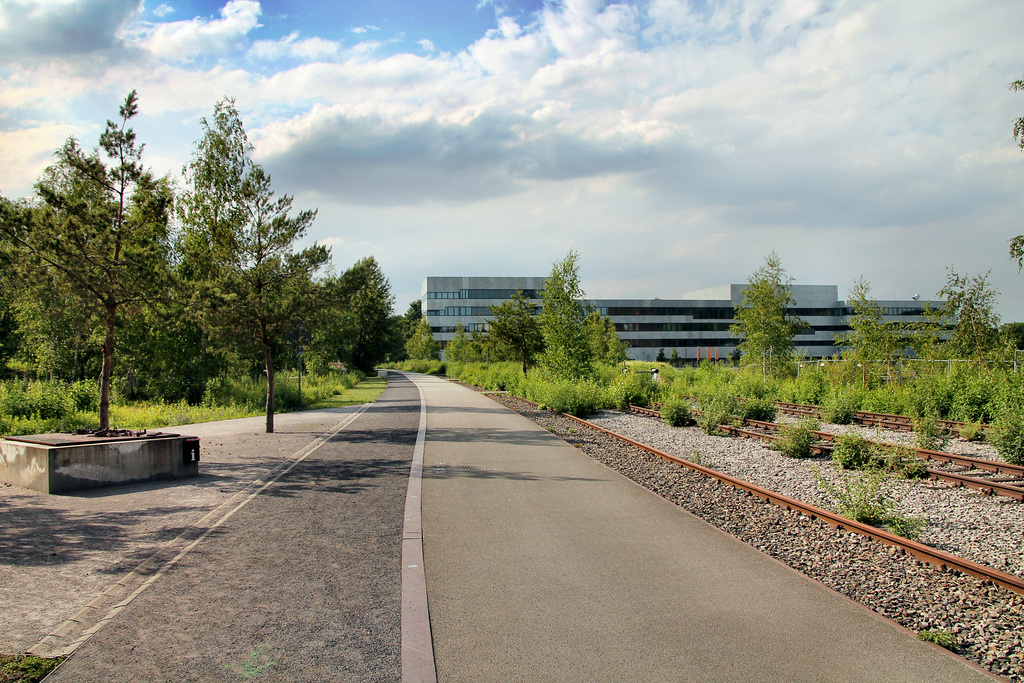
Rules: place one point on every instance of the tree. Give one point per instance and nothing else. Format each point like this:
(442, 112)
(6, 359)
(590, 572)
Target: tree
(459, 348)
(604, 340)
(870, 336)
(367, 304)
(98, 233)
(422, 345)
(763, 322)
(971, 302)
(1017, 243)
(516, 329)
(563, 317)
(238, 244)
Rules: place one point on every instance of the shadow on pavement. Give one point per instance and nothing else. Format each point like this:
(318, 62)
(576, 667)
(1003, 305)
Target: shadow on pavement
(33, 535)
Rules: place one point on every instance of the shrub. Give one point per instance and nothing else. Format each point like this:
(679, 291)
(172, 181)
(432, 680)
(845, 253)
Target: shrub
(839, 408)
(930, 436)
(864, 497)
(676, 412)
(971, 431)
(1008, 438)
(630, 387)
(798, 441)
(762, 409)
(901, 461)
(718, 410)
(580, 398)
(853, 452)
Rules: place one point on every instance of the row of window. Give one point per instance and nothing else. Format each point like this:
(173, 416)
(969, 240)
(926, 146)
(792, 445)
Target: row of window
(482, 294)
(708, 343)
(469, 327)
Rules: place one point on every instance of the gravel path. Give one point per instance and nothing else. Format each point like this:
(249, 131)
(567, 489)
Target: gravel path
(986, 621)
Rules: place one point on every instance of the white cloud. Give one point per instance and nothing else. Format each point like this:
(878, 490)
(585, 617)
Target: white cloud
(293, 47)
(163, 9)
(802, 125)
(184, 40)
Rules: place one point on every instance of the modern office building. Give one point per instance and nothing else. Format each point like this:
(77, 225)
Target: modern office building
(696, 326)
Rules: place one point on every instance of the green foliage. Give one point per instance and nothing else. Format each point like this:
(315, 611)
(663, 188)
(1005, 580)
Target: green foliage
(1008, 438)
(580, 398)
(458, 349)
(630, 387)
(763, 323)
(605, 344)
(865, 496)
(903, 462)
(797, 441)
(568, 354)
(941, 638)
(515, 332)
(840, 407)
(718, 409)
(971, 302)
(505, 376)
(422, 345)
(356, 326)
(971, 431)
(26, 668)
(423, 366)
(929, 435)
(854, 452)
(871, 338)
(97, 237)
(762, 409)
(676, 412)
(238, 245)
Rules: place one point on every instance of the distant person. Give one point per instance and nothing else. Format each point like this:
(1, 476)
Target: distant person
(654, 374)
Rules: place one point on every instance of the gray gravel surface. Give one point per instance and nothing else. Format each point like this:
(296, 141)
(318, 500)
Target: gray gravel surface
(986, 621)
(302, 584)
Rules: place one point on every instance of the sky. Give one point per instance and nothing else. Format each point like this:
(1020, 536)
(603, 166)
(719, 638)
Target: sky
(674, 144)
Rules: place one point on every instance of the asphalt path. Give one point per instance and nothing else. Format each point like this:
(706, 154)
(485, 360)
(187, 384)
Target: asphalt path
(544, 565)
(302, 583)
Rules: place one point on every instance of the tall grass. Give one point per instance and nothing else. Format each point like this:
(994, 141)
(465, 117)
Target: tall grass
(41, 407)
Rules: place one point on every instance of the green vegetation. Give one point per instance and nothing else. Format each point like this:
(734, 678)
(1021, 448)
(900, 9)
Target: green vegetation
(128, 300)
(568, 352)
(865, 496)
(42, 407)
(676, 412)
(26, 668)
(762, 322)
(941, 638)
(798, 441)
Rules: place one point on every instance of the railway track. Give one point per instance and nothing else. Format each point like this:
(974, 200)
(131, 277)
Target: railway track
(900, 423)
(987, 476)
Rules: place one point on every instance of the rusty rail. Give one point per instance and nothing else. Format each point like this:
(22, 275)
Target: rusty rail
(1008, 489)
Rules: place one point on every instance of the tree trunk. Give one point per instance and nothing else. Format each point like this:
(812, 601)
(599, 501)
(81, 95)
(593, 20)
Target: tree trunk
(108, 354)
(270, 387)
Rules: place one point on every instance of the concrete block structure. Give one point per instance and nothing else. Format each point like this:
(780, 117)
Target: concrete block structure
(61, 463)
(695, 325)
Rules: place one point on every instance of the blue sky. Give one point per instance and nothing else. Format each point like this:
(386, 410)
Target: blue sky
(673, 144)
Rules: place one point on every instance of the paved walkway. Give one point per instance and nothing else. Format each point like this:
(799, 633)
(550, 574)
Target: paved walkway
(302, 583)
(544, 565)
(541, 565)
